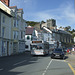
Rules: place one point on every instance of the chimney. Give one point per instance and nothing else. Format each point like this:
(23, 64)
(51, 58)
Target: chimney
(7, 2)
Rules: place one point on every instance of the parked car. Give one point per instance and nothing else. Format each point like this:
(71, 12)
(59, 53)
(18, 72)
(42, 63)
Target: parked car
(58, 53)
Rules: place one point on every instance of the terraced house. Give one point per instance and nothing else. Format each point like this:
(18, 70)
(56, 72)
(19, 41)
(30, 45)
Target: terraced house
(12, 29)
(5, 30)
(18, 25)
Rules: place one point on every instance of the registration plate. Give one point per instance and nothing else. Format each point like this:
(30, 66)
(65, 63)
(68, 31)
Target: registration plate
(57, 55)
(37, 51)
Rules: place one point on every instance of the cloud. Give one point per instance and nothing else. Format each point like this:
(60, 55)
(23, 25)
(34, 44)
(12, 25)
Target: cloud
(64, 15)
(26, 4)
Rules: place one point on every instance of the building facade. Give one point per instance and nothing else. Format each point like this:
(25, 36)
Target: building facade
(12, 30)
(18, 30)
(51, 23)
(31, 34)
(5, 31)
(58, 35)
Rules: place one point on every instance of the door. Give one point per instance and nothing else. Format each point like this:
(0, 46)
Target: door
(7, 47)
(15, 47)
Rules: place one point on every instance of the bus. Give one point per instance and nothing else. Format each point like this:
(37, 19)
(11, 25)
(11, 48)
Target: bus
(39, 48)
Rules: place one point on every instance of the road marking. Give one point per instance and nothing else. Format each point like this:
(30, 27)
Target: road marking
(72, 68)
(66, 61)
(59, 60)
(47, 67)
(19, 62)
(1, 69)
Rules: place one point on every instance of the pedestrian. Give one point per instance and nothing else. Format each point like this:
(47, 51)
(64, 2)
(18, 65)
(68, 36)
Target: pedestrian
(73, 49)
(68, 50)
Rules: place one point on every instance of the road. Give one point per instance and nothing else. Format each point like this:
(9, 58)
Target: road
(25, 64)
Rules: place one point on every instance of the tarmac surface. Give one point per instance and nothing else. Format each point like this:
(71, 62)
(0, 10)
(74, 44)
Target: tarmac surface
(25, 64)
(71, 59)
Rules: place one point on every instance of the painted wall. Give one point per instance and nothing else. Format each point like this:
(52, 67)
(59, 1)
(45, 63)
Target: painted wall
(6, 25)
(74, 39)
(28, 42)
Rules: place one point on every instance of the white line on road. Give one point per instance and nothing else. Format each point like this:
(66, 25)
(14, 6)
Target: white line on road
(58, 60)
(19, 62)
(47, 67)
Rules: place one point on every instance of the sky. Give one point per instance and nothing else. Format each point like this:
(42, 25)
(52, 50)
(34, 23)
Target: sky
(62, 11)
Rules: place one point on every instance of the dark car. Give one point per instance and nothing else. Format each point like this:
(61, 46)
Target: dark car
(58, 53)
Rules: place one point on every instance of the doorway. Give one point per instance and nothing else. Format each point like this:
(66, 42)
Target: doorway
(7, 47)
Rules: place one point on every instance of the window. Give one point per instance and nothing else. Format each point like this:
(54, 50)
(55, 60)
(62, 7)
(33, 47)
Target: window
(15, 34)
(26, 46)
(3, 46)
(3, 19)
(14, 22)
(28, 37)
(21, 35)
(17, 22)
(48, 38)
(31, 38)
(3, 30)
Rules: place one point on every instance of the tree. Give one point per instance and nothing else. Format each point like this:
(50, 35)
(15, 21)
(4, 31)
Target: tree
(68, 28)
(42, 21)
(73, 30)
(32, 23)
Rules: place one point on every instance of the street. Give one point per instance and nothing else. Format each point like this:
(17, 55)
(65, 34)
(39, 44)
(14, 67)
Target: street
(25, 64)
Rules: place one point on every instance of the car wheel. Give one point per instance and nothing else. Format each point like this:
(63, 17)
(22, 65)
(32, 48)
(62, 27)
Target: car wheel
(63, 58)
(51, 57)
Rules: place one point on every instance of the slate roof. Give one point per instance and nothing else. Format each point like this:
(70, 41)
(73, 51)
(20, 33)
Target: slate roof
(29, 30)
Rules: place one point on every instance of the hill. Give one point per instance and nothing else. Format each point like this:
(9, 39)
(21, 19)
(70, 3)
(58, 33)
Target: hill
(32, 23)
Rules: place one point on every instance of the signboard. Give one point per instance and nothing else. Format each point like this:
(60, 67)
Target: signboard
(36, 41)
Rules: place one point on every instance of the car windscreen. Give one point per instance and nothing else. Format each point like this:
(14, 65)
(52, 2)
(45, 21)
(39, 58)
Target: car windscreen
(58, 50)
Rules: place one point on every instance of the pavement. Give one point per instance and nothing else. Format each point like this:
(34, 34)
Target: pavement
(71, 59)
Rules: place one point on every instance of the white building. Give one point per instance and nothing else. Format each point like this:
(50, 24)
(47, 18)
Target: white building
(51, 37)
(5, 30)
(74, 39)
(12, 30)
(18, 30)
(31, 34)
